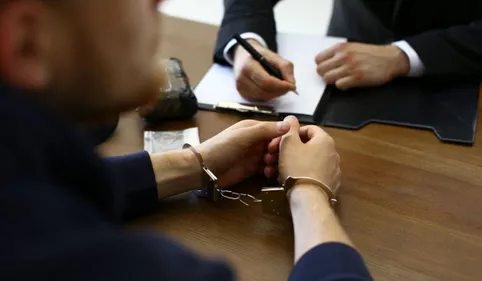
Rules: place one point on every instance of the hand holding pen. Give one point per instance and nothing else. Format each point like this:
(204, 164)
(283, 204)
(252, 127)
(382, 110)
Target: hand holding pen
(257, 81)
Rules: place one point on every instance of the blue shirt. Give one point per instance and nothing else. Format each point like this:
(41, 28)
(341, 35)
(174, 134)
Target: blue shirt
(61, 208)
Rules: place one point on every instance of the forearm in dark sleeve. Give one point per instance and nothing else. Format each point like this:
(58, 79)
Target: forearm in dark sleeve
(136, 184)
(242, 16)
(456, 51)
(330, 262)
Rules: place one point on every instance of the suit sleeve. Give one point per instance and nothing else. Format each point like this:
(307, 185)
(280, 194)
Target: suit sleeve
(456, 51)
(135, 183)
(72, 240)
(331, 262)
(116, 256)
(241, 16)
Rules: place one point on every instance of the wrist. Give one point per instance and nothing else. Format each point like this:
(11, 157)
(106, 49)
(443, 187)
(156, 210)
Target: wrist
(238, 50)
(401, 62)
(176, 172)
(305, 195)
(192, 168)
(314, 221)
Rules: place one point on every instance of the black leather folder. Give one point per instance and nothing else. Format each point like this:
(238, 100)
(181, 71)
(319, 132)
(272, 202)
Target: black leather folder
(447, 107)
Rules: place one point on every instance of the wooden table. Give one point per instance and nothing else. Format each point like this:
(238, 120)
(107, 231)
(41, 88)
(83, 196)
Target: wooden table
(411, 204)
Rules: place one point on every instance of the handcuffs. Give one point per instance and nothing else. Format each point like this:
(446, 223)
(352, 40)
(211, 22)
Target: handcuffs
(274, 200)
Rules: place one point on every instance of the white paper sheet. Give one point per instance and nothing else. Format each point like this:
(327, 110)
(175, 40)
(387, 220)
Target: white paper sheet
(219, 82)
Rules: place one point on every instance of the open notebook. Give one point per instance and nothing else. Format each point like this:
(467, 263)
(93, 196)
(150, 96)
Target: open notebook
(218, 85)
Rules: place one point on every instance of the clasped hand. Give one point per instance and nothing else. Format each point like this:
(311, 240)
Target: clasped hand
(271, 148)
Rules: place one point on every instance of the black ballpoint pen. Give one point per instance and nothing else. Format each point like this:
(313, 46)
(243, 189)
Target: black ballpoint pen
(259, 58)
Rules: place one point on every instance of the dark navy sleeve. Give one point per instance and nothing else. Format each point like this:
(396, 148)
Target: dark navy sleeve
(330, 262)
(456, 51)
(135, 180)
(242, 16)
(58, 235)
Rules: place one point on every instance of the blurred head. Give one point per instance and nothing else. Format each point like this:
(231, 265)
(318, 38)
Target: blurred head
(88, 59)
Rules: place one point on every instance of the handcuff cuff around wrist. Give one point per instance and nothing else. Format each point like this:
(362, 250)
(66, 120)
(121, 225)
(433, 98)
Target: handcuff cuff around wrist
(274, 199)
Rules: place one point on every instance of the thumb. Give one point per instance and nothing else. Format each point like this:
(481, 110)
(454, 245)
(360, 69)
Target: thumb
(294, 132)
(264, 131)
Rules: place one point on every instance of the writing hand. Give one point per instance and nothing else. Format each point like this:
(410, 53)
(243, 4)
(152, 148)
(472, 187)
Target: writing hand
(253, 82)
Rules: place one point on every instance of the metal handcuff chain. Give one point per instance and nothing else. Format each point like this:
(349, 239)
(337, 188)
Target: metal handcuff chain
(237, 196)
(227, 194)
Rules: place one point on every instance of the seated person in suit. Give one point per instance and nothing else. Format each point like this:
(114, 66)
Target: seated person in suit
(399, 38)
(60, 203)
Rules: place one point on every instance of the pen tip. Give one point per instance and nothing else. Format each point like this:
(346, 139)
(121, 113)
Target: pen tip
(296, 92)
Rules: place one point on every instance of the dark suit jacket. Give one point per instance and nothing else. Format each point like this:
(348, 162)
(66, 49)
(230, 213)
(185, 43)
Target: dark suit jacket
(446, 34)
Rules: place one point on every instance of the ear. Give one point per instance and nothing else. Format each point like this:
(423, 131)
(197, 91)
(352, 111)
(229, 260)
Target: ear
(23, 44)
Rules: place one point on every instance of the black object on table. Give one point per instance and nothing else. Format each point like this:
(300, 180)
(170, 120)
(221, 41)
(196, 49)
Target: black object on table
(447, 107)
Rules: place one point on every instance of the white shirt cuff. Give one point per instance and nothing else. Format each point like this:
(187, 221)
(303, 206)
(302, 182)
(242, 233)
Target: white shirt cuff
(416, 65)
(233, 42)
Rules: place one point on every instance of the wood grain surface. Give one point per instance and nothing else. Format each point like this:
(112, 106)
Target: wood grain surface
(411, 204)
